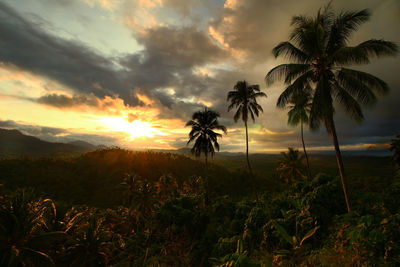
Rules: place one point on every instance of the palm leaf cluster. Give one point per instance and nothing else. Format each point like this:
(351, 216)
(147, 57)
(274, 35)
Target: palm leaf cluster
(300, 105)
(291, 167)
(319, 52)
(204, 124)
(244, 99)
(299, 108)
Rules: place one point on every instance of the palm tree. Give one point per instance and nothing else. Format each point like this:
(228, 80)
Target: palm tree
(244, 99)
(299, 109)
(291, 165)
(204, 123)
(319, 51)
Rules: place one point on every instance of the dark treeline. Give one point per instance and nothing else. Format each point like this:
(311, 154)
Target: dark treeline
(106, 208)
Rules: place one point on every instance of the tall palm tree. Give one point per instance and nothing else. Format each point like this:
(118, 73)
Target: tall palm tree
(204, 124)
(299, 109)
(319, 50)
(291, 165)
(243, 97)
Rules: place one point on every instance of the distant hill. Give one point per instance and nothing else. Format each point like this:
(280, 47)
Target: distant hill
(15, 144)
(83, 144)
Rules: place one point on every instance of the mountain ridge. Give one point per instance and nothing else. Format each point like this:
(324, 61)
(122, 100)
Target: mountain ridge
(14, 143)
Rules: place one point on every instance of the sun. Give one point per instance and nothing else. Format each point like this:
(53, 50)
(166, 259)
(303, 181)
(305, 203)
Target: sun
(135, 128)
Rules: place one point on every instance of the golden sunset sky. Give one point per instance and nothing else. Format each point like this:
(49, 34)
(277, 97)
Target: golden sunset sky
(131, 73)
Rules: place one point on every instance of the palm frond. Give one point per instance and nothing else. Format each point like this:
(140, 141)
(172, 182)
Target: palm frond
(289, 51)
(343, 26)
(287, 71)
(297, 86)
(369, 80)
(350, 105)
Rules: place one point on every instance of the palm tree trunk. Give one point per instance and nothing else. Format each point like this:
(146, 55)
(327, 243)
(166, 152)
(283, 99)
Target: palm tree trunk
(339, 161)
(305, 152)
(248, 162)
(207, 200)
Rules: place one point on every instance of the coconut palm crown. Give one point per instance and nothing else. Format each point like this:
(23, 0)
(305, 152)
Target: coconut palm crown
(244, 98)
(291, 167)
(299, 109)
(319, 50)
(204, 124)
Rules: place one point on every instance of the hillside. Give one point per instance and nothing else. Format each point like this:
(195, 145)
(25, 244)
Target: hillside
(15, 144)
(164, 210)
(95, 178)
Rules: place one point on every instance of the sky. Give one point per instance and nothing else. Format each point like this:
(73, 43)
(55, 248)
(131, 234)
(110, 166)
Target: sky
(132, 72)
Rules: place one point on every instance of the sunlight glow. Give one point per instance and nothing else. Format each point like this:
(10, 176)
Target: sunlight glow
(135, 129)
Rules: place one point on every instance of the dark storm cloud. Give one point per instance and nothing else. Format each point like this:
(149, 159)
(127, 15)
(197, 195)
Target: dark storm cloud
(257, 26)
(169, 56)
(168, 59)
(28, 47)
(63, 101)
(52, 134)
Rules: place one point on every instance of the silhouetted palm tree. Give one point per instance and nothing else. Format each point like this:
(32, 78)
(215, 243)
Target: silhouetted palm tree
(291, 165)
(204, 123)
(319, 51)
(299, 109)
(244, 98)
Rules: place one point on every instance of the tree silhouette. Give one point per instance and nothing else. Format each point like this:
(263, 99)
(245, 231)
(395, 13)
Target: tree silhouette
(243, 97)
(319, 51)
(299, 109)
(291, 165)
(204, 123)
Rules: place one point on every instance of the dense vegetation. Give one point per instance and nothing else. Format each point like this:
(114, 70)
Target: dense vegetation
(123, 208)
(114, 207)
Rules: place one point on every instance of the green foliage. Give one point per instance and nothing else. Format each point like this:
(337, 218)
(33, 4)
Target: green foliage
(24, 236)
(238, 258)
(165, 222)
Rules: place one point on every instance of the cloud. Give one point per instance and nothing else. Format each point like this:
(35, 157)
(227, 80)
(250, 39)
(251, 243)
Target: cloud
(63, 101)
(69, 62)
(52, 134)
(167, 60)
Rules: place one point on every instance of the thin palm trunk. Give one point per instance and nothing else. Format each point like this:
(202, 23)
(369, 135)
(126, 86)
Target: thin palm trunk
(305, 152)
(339, 161)
(248, 162)
(206, 181)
